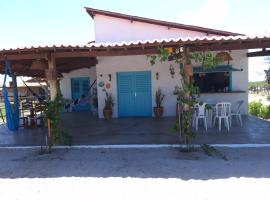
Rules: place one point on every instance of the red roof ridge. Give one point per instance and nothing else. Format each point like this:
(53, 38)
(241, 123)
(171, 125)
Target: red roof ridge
(92, 12)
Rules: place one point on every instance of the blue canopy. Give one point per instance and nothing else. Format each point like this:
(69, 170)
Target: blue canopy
(219, 68)
(12, 111)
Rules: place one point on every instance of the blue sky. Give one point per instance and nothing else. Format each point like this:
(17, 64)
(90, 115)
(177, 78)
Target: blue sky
(42, 22)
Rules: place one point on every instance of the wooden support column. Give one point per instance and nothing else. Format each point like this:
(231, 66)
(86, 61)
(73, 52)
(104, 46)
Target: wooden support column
(188, 69)
(51, 75)
(188, 72)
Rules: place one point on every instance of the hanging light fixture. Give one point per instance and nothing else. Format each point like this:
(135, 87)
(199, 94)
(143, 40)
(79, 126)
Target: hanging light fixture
(226, 74)
(201, 75)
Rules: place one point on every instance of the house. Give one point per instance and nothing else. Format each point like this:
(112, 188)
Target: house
(133, 81)
(117, 63)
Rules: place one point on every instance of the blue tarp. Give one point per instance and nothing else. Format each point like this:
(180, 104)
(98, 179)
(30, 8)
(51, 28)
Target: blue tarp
(12, 111)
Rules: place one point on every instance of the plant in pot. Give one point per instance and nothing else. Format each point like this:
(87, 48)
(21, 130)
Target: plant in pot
(158, 110)
(109, 103)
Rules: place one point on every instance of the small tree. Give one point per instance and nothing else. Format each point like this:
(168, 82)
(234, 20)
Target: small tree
(188, 94)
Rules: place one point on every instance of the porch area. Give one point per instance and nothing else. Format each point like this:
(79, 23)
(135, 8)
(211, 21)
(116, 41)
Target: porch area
(88, 130)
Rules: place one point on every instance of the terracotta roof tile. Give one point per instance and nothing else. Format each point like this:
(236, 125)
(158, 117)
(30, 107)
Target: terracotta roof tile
(187, 40)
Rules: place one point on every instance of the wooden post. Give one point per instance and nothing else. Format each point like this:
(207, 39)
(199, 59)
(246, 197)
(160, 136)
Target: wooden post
(186, 63)
(188, 70)
(51, 76)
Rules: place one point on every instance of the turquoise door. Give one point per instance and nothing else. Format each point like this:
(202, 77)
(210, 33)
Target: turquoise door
(80, 91)
(134, 94)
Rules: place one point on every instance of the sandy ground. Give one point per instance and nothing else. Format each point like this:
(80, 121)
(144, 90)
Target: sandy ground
(134, 174)
(258, 97)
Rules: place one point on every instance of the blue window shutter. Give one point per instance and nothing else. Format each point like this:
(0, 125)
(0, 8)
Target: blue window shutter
(125, 86)
(75, 88)
(143, 98)
(80, 86)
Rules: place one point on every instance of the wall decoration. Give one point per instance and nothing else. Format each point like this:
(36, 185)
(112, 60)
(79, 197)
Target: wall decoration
(110, 77)
(225, 56)
(108, 85)
(157, 75)
(101, 84)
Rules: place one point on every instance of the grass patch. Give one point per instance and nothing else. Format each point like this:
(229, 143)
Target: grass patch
(259, 110)
(211, 151)
(2, 111)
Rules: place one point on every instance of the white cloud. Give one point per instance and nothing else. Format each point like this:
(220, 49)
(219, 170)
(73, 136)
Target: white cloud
(211, 14)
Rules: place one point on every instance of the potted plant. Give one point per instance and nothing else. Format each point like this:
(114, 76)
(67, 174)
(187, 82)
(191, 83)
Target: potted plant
(158, 110)
(109, 103)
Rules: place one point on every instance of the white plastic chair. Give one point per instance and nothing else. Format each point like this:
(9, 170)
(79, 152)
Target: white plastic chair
(209, 114)
(236, 111)
(223, 111)
(200, 113)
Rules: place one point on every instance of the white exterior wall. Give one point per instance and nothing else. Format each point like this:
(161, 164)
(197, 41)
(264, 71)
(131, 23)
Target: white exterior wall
(65, 83)
(111, 65)
(111, 29)
(239, 82)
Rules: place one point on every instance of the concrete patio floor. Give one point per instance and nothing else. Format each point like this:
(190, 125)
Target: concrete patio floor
(88, 130)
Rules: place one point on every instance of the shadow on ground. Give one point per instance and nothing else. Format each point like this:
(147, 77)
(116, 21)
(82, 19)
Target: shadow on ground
(137, 163)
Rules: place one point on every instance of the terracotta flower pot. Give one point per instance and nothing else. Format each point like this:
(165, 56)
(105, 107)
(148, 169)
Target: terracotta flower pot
(188, 70)
(107, 114)
(158, 111)
(185, 107)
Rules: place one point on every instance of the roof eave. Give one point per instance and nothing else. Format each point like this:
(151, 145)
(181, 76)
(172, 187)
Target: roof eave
(92, 12)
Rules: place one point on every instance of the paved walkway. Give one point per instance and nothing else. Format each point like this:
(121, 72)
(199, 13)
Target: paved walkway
(87, 129)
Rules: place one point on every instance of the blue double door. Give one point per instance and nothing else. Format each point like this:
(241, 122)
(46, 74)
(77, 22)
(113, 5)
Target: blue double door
(80, 91)
(134, 94)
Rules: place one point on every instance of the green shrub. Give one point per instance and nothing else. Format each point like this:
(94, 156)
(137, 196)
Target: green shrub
(254, 108)
(265, 112)
(259, 110)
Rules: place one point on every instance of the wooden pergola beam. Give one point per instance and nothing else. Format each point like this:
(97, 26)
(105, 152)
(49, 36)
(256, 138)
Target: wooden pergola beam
(230, 46)
(24, 56)
(259, 53)
(95, 53)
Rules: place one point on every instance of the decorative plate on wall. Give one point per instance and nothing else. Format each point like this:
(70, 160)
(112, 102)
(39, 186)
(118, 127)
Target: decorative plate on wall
(108, 85)
(101, 84)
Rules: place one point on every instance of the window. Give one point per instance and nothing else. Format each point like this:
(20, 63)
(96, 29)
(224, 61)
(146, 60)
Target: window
(218, 79)
(213, 82)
